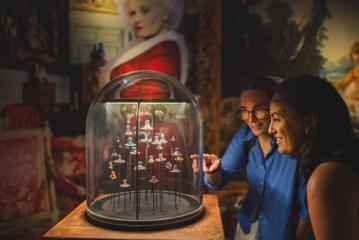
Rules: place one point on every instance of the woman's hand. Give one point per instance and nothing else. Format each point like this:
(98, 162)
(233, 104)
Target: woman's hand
(211, 163)
(211, 166)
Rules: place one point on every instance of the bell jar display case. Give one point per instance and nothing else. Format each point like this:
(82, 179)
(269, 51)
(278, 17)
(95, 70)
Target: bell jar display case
(141, 131)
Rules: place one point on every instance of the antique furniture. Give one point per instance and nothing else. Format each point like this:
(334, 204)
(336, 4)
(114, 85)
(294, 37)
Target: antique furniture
(26, 187)
(75, 226)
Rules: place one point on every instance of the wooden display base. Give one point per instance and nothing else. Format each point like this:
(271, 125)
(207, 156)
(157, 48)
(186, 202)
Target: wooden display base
(76, 226)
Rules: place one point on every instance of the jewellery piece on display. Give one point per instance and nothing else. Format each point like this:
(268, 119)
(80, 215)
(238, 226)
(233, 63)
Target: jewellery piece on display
(134, 150)
(153, 180)
(160, 158)
(176, 152)
(147, 125)
(140, 167)
(130, 143)
(151, 160)
(119, 160)
(146, 138)
(128, 130)
(125, 184)
(114, 155)
(156, 141)
(168, 165)
(162, 139)
(110, 165)
(175, 169)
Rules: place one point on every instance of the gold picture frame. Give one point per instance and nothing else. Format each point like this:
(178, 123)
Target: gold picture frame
(102, 6)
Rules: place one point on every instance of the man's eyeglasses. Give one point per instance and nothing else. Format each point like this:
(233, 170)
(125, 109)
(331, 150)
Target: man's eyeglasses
(259, 112)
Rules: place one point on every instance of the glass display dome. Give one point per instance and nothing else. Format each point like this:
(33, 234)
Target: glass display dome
(141, 130)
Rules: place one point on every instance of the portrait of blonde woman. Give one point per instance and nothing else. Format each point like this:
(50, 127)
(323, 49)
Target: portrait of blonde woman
(156, 45)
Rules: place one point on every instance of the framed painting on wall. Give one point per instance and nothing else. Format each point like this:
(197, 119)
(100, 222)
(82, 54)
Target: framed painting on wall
(341, 51)
(34, 32)
(290, 38)
(104, 6)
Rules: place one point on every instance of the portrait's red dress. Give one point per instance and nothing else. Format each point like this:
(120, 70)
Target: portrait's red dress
(163, 57)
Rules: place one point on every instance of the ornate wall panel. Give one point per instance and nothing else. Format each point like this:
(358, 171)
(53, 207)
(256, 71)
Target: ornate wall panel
(208, 71)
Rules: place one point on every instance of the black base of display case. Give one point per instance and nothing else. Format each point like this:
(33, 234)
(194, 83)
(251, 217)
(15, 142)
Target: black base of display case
(145, 210)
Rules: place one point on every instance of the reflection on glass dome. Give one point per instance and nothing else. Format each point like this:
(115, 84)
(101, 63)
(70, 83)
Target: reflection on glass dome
(139, 138)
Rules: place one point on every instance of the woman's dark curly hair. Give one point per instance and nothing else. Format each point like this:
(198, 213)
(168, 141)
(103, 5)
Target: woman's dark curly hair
(332, 130)
(267, 85)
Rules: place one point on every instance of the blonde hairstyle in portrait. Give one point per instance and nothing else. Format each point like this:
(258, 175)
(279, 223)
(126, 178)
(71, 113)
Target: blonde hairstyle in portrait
(175, 9)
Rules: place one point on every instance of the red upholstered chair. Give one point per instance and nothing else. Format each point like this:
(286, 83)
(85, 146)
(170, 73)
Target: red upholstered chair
(69, 153)
(21, 116)
(26, 187)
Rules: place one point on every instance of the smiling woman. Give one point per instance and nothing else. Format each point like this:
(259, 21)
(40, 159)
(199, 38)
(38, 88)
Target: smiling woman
(311, 122)
(284, 120)
(274, 206)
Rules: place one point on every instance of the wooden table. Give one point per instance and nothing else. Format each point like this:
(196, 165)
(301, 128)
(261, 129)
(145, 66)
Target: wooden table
(75, 226)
